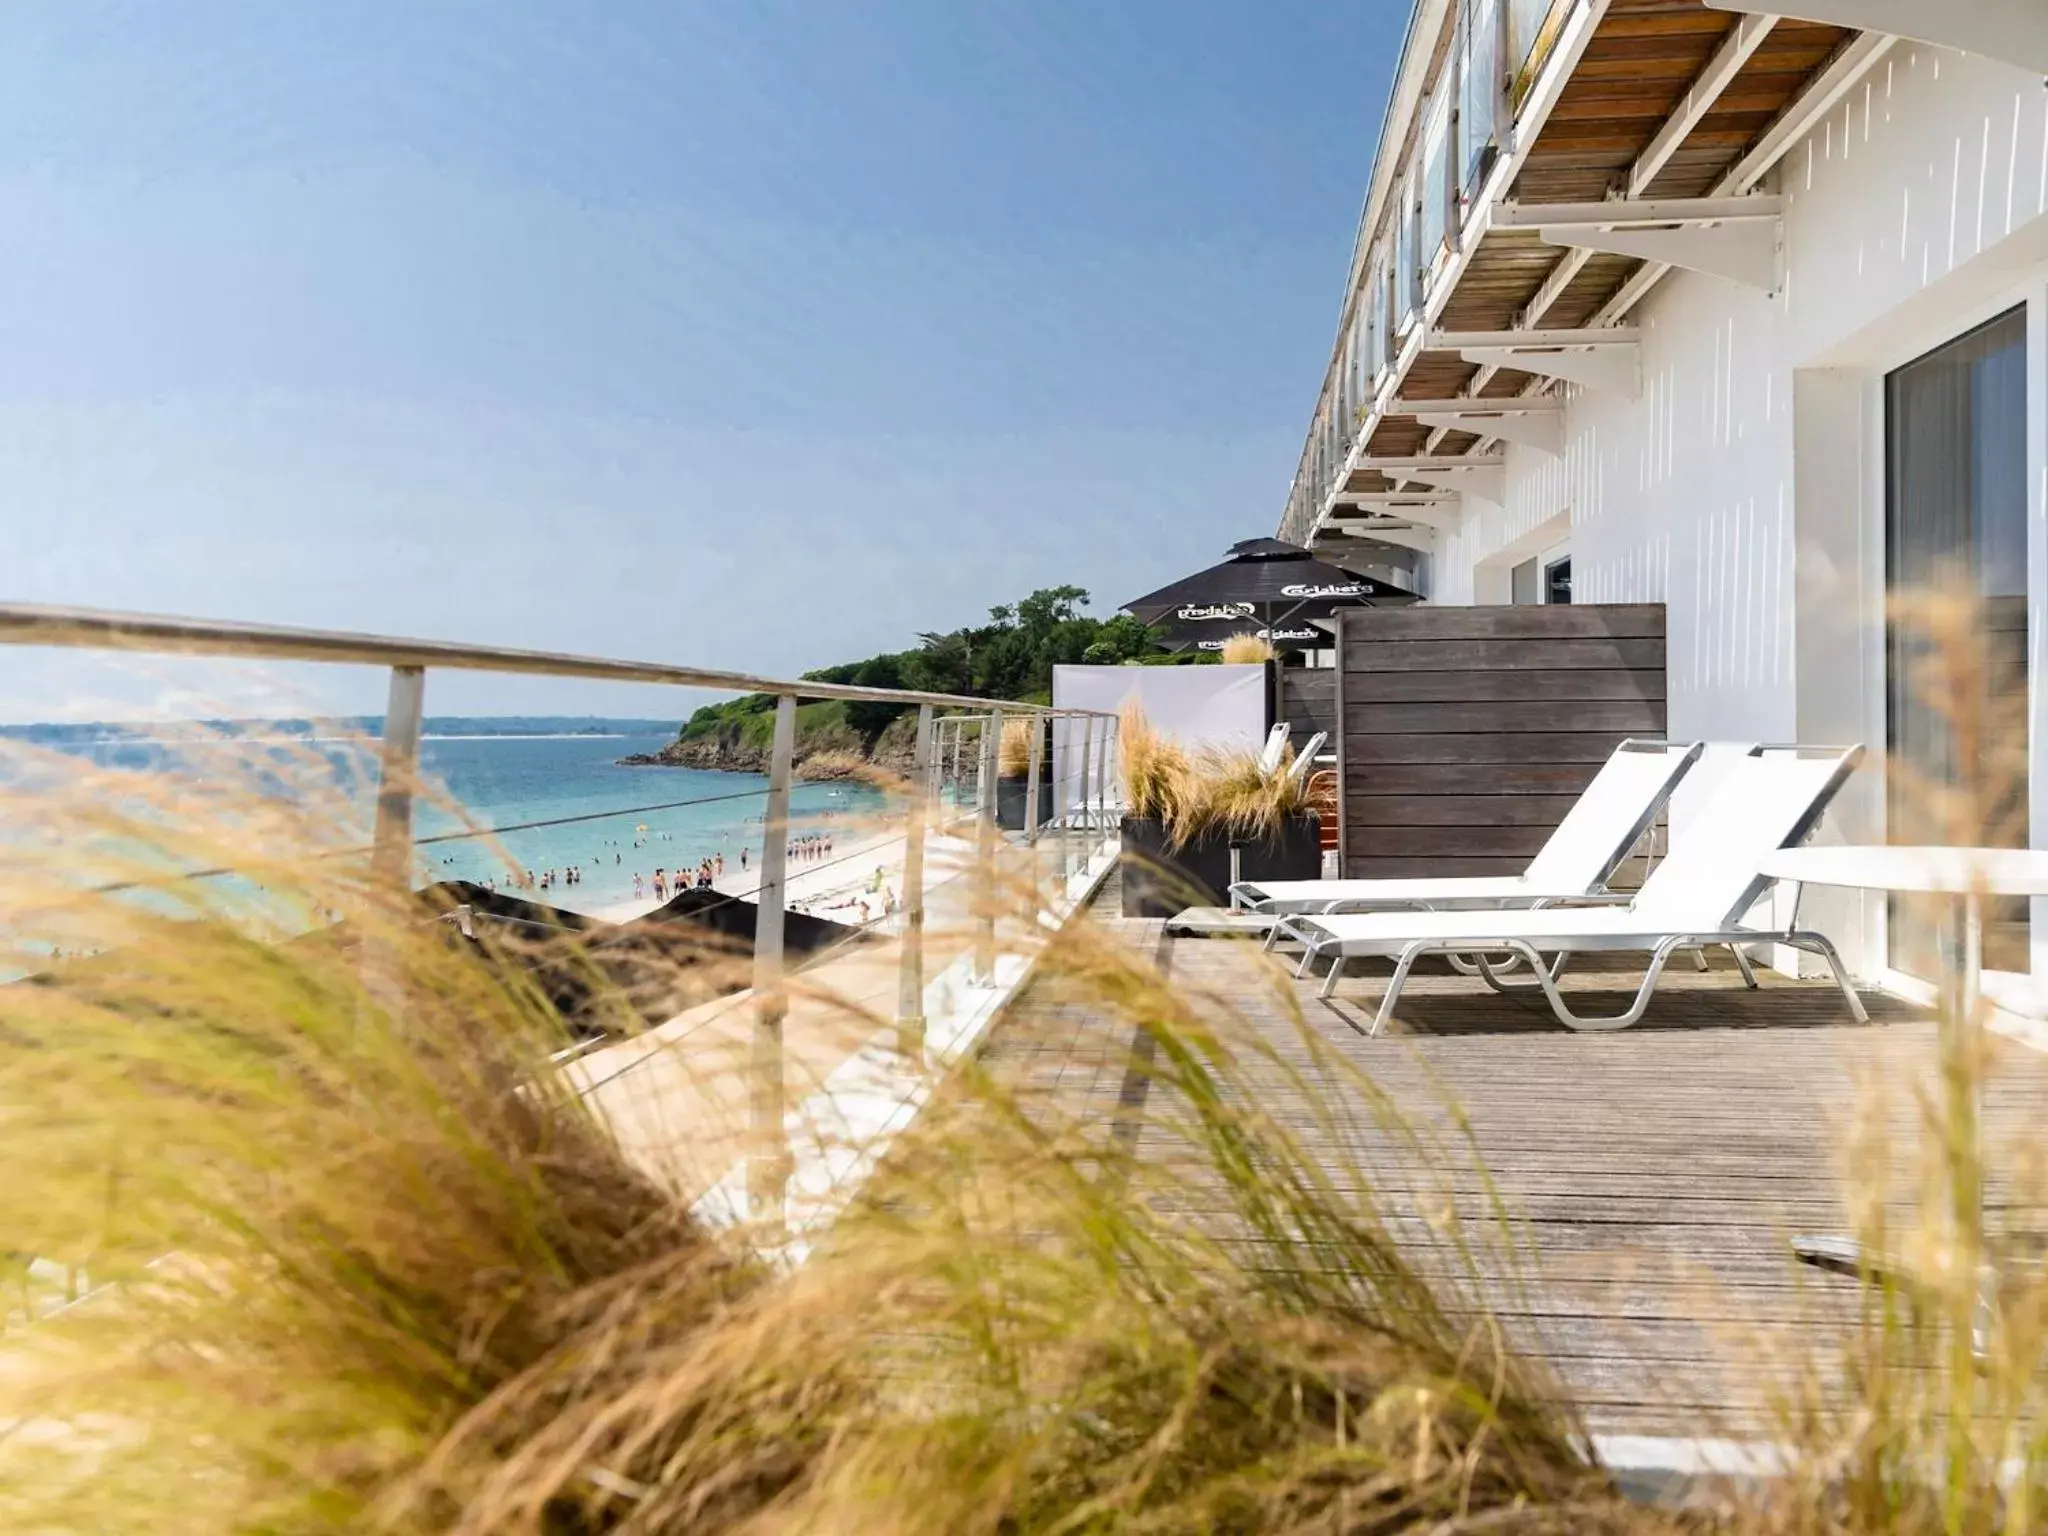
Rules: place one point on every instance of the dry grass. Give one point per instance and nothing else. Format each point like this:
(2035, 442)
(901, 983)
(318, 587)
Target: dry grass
(1158, 773)
(366, 1261)
(369, 1263)
(1213, 790)
(1013, 748)
(1239, 649)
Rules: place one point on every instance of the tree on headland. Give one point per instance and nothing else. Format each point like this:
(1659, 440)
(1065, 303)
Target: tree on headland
(1009, 657)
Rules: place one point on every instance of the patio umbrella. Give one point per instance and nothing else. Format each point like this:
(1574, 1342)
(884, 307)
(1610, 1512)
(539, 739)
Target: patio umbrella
(1266, 587)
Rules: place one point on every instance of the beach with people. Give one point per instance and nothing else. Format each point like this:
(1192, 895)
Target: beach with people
(849, 874)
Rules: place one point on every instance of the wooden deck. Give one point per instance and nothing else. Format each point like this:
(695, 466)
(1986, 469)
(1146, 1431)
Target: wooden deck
(1658, 1173)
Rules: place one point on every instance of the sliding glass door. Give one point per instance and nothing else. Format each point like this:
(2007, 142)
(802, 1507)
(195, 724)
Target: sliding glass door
(1956, 531)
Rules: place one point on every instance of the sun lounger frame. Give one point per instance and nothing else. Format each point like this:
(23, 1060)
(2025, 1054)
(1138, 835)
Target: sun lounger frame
(1658, 945)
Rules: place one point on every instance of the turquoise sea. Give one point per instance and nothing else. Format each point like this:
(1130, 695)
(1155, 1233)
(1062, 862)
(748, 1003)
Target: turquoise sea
(501, 781)
(609, 819)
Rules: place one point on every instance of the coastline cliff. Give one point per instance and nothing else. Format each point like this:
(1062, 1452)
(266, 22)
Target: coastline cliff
(827, 747)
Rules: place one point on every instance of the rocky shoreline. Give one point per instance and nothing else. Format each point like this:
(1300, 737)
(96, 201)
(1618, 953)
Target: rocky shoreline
(814, 761)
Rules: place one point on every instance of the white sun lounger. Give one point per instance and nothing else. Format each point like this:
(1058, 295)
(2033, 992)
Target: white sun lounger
(1772, 797)
(1608, 819)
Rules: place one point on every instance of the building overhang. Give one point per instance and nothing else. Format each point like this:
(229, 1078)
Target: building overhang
(1637, 140)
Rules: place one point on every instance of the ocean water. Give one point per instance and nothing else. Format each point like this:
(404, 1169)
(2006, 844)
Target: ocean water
(608, 819)
(501, 781)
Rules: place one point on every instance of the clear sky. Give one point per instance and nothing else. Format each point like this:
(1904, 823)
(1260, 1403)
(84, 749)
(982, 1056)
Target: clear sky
(758, 334)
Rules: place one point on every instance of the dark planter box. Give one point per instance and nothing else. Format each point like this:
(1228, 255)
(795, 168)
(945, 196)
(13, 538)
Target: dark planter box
(1010, 797)
(1160, 884)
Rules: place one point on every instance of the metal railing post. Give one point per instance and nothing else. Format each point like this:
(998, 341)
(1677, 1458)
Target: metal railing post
(398, 772)
(768, 1163)
(985, 855)
(1031, 783)
(1079, 816)
(910, 981)
(1102, 784)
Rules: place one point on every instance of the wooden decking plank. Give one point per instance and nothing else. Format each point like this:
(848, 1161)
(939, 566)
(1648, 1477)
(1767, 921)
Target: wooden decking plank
(1655, 1176)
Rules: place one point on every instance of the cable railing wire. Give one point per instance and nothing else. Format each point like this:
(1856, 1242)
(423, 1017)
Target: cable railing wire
(361, 850)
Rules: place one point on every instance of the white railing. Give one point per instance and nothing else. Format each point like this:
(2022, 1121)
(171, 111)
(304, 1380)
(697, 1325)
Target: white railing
(948, 727)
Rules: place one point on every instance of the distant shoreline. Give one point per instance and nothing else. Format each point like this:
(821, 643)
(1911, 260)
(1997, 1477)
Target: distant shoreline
(329, 730)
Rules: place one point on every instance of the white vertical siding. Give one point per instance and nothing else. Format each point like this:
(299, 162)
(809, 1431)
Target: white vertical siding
(1924, 193)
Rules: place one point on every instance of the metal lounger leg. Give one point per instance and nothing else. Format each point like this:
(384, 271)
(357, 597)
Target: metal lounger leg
(1546, 979)
(1467, 966)
(1742, 964)
(1392, 995)
(1699, 957)
(1820, 944)
(1336, 972)
(1570, 1020)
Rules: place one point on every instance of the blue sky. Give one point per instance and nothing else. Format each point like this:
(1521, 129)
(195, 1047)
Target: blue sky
(758, 335)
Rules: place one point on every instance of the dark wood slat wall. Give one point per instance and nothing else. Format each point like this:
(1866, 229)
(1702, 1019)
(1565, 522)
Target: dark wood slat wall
(1468, 732)
(1308, 703)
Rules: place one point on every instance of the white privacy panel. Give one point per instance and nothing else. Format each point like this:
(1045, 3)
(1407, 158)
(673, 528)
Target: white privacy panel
(1197, 706)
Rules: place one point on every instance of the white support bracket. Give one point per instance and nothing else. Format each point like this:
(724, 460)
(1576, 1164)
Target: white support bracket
(1400, 467)
(1489, 482)
(1611, 370)
(1476, 405)
(1444, 511)
(1738, 239)
(1386, 533)
(1543, 431)
(1477, 474)
(2014, 31)
(1750, 255)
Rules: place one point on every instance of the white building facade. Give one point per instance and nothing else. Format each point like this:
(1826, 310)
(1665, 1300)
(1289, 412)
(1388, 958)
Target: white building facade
(1833, 386)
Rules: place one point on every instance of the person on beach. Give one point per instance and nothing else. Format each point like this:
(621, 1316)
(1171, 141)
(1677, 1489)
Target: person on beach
(638, 888)
(660, 885)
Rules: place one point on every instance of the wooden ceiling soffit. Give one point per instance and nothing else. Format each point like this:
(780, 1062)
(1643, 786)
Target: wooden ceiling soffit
(2012, 31)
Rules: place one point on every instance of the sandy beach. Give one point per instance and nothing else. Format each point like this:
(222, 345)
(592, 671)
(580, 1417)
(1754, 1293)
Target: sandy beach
(853, 885)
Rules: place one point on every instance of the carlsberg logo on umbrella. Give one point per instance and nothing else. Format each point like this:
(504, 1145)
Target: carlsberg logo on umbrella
(1215, 611)
(1275, 636)
(1328, 590)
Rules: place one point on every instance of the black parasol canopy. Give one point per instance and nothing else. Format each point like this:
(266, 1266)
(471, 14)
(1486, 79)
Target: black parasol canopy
(1267, 588)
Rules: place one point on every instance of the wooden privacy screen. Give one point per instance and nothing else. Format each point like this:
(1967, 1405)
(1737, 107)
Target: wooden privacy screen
(1468, 732)
(1308, 703)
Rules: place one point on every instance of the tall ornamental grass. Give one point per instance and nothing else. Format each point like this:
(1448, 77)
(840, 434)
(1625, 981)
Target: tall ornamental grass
(357, 1250)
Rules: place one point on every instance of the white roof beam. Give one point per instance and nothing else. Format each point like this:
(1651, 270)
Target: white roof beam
(1836, 79)
(1429, 511)
(1385, 533)
(1597, 336)
(1479, 474)
(1750, 255)
(1543, 432)
(2014, 31)
(1394, 498)
(1469, 405)
(1739, 239)
(1442, 461)
(1611, 370)
(1715, 76)
(1489, 482)
(1706, 88)
(1620, 212)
